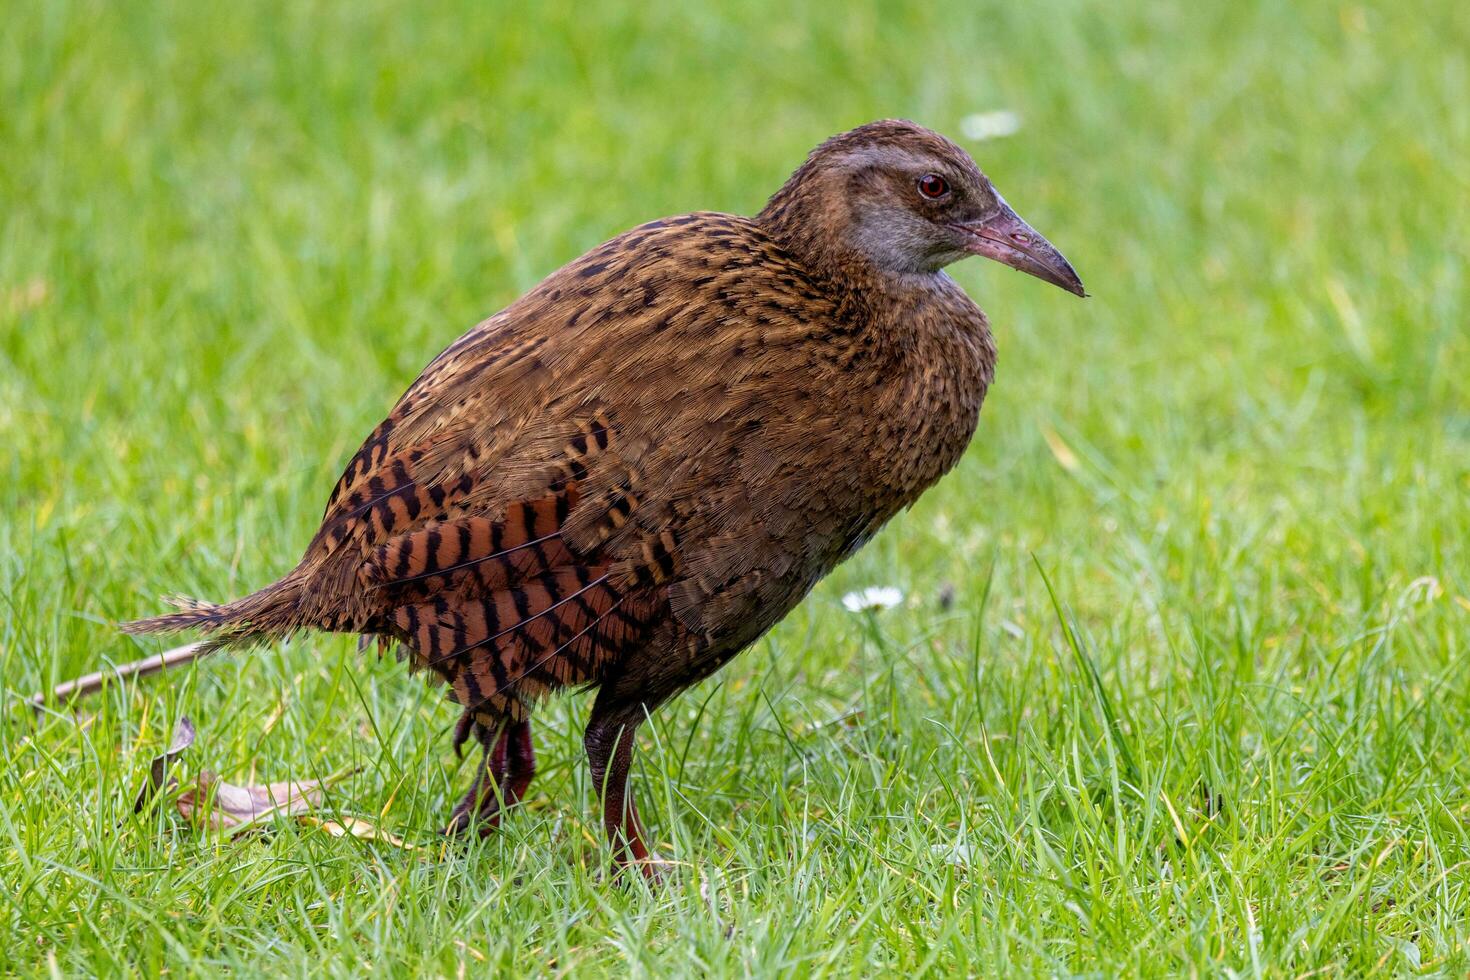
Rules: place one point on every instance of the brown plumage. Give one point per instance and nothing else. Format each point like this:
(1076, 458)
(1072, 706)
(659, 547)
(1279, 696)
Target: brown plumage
(636, 469)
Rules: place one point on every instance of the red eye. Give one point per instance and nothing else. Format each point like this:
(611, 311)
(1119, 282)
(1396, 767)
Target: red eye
(933, 186)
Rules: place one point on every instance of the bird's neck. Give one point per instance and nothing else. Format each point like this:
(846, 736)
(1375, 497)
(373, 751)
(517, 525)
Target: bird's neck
(805, 224)
(808, 224)
(926, 347)
(862, 290)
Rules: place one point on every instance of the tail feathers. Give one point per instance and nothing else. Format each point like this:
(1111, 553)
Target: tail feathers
(271, 613)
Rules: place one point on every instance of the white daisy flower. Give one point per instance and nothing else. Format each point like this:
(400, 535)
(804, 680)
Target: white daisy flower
(873, 598)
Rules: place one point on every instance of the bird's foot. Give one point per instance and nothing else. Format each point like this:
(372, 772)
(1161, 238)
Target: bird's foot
(480, 810)
(473, 815)
(503, 777)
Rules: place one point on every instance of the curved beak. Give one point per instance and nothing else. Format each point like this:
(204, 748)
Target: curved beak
(1004, 237)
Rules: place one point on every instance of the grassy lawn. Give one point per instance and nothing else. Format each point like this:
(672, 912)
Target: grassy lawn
(231, 235)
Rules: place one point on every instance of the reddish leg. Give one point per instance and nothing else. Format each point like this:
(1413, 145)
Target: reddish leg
(508, 767)
(521, 760)
(609, 743)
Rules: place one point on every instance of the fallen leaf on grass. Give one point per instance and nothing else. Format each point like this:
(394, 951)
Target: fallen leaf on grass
(26, 297)
(225, 806)
(1060, 450)
(359, 828)
(479, 956)
(158, 768)
(959, 854)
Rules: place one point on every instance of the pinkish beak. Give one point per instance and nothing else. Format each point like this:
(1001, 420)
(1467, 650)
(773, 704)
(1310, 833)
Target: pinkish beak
(1010, 241)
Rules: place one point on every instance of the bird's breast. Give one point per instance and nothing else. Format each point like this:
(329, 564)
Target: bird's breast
(922, 409)
(818, 478)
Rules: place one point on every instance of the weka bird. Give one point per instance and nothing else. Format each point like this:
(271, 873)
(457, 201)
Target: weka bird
(640, 466)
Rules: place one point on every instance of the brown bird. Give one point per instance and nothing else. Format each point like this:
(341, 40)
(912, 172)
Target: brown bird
(633, 471)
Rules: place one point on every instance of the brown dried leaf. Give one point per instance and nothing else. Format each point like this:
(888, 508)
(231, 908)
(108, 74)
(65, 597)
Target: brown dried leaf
(225, 806)
(158, 768)
(359, 828)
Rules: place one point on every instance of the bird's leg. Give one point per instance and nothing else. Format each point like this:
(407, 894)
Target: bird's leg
(481, 807)
(521, 761)
(609, 743)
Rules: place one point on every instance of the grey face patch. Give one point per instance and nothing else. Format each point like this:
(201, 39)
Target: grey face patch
(890, 223)
(897, 240)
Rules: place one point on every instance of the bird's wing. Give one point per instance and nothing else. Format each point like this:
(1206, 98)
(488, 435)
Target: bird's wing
(501, 603)
(538, 495)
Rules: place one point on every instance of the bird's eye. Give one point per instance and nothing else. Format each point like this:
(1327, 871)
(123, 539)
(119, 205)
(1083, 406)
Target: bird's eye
(933, 186)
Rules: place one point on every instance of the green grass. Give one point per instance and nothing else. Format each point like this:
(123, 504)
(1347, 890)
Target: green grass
(230, 236)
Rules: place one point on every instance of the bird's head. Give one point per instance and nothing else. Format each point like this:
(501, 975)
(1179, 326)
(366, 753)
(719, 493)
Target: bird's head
(908, 201)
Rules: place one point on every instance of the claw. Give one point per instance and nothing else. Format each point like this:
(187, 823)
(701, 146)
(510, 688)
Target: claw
(462, 729)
